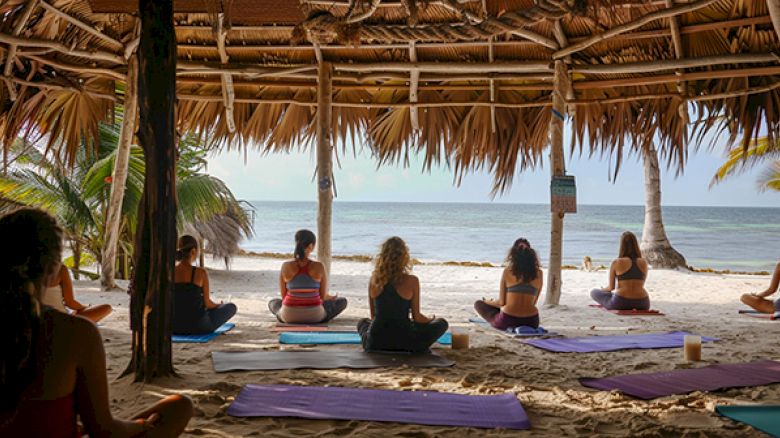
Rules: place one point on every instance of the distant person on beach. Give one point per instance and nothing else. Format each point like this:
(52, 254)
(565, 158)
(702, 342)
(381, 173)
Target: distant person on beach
(630, 271)
(58, 294)
(193, 310)
(758, 300)
(521, 283)
(393, 294)
(303, 284)
(53, 366)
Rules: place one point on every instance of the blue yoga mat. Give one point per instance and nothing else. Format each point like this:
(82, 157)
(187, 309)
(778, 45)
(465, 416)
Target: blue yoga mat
(763, 418)
(516, 331)
(407, 407)
(202, 339)
(305, 338)
(594, 344)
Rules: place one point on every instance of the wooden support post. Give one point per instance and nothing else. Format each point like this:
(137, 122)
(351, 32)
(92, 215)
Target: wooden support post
(228, 92)
(155, 247)
(674, 27)
(414, 82)
(553, 295)
(324, 163)
(491, 58)
(119, 177)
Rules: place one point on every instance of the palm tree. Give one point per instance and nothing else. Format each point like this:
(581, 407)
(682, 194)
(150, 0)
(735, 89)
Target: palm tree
(78, 197)
(757, 152)
(655, 246)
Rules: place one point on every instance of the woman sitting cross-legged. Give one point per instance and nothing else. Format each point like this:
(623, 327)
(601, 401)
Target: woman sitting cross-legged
(519, 290)
(630, 270)
(392, 295)
(303, 284)
(193, 310)
(59, 295)
(758, 301)
(53, 366)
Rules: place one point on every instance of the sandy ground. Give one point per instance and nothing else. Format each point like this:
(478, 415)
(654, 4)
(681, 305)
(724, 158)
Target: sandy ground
(545, 383)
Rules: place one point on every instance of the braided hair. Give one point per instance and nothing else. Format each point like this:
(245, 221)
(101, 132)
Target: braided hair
(31, 258)
(523, 260)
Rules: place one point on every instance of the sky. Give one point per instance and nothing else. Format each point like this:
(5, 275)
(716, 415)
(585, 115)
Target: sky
(288, 177)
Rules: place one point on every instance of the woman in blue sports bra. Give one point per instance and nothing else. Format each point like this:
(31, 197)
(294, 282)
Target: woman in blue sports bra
(521, 283)
(630, 271)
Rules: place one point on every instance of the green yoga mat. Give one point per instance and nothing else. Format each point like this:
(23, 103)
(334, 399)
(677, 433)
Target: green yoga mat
(763, 418)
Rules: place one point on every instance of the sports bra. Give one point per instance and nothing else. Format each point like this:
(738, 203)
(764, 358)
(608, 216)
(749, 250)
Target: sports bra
(633, 273)
(523, 288)
(302, 289)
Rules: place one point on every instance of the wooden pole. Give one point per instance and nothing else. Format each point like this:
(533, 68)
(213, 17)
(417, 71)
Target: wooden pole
(324, 164)
(774, 13)
(553, 295)
(119, 177)
(414, 82)
(155, 248)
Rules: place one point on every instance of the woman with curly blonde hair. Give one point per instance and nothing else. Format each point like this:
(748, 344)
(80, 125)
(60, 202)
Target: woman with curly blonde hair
(392, 294)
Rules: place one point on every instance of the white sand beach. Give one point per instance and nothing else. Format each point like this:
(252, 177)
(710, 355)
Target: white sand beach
(545, 383)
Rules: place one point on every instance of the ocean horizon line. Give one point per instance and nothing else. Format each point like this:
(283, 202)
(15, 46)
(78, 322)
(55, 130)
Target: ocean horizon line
(335, 201)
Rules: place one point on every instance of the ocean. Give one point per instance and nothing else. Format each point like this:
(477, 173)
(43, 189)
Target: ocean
(742, 239)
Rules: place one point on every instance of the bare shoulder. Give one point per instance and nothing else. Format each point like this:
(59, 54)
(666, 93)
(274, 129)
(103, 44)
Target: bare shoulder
(642, 263)
(317, 268)
(201, 274)
(73, 333)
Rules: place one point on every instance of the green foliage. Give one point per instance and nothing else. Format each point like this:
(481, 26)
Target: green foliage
(757, 152)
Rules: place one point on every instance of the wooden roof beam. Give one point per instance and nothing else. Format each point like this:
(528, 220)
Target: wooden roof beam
(671, 78)
(11, 55)
(662, 65)
(645, 19)
(448, 67)
(88, 27)
(105, 72)
(197, 97)
(674, 27)
(95, 55)
(774, 13)
(394, 87)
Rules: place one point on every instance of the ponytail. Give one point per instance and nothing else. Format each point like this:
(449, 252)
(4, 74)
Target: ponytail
(184, 246)
(303, 238)
(34, 255)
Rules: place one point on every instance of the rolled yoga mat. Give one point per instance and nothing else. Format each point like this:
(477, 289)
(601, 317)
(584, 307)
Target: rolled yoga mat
(304, 338)
(321, 360)
(594, 344)
(408, 407)
(763, 418)
(201, 339)
(709, 378)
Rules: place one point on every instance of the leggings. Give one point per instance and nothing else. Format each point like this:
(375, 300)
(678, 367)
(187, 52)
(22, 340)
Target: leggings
(502, 321)
(207, 322)
(307, 315)
(407, 336)
(615, 302)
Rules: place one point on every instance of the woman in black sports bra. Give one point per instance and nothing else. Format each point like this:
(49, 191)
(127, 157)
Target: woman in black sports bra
(630, 271)
(193, 311)
(394, 294)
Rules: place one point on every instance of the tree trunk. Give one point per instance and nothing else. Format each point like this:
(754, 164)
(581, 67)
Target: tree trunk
(119, 178)
(155, 249)
(553, 295)
(655, 246)
(324, 165)
(76, 248)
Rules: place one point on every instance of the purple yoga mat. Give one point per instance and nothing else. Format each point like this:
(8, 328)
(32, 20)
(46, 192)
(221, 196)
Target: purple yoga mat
(411, 407)
(593, 344)
(710, 378)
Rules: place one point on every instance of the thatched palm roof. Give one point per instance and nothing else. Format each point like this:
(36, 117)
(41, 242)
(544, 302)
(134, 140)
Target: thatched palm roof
(458, 81)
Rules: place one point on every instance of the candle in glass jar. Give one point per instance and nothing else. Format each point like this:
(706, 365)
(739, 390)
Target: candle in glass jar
(692, 348)
(460, 339)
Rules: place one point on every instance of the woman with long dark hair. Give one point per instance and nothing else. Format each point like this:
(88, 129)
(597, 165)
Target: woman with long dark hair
(394, 294)
(521, 283)
(627, 275)
(53, 366)
(303, 284)
(194, 312)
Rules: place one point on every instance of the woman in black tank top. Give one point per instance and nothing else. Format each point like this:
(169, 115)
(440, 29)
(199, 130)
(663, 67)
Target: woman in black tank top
(193, 311)
(629, 282)
(393, 295)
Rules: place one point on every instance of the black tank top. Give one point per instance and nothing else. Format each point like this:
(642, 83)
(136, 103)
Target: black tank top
(389, 306)
(633, 273)
(187, 301)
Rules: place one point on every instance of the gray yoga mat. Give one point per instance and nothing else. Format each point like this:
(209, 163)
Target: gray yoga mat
(321, 360)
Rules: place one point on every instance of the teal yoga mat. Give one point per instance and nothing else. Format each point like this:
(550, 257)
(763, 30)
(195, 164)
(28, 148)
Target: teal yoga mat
(763, 418)
(307, 338)
(202, 339)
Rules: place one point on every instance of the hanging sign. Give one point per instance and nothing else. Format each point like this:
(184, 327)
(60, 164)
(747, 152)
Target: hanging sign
(563, 194)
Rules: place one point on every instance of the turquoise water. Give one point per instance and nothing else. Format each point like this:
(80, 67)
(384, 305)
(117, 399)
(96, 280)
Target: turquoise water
(716, 237)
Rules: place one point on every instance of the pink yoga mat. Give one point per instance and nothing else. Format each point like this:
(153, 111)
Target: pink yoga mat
(634, 312)
(709, 378)
(410, 407)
